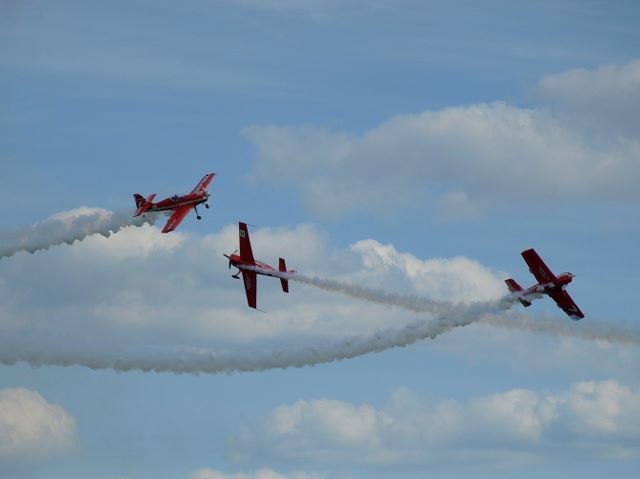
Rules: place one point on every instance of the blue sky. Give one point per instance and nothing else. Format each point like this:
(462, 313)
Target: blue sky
(416, 147)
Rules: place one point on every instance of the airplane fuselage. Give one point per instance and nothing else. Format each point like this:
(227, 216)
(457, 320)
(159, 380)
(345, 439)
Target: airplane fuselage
(258, 266)
(176, 201)
(537, 290)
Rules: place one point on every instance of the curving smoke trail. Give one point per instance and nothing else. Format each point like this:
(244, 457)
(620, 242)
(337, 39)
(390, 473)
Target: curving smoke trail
(67, 227)
(191, 360)
(444, 316)
(196, 360)
(413, 303)
(587, 329)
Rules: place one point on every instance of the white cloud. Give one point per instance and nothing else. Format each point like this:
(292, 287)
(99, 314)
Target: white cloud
(455, 279)
(604, 409)
(332, 421)
(139, 292)
(469, 157)
(141, 286)
(30, 427)
(608, 96)
(598, 418)
(136, 294)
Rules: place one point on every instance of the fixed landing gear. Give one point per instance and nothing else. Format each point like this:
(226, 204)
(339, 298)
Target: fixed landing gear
(206, 205)
(237, 275)
(195, 208)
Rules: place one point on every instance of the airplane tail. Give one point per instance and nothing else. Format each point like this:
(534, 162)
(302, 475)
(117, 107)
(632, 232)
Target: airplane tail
(282, 266)
(143, 204)
(514, 287)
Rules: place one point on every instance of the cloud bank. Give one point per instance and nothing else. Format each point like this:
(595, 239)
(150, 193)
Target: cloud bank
(469, 157)
(594, 417)
(119, 307)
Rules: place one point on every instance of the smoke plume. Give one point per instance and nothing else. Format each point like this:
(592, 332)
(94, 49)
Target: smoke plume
(68, 227)
(443, 317)
(198, 360)
(588, 329)
(410, 302)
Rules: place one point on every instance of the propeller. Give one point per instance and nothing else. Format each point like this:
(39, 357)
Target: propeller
(229, 257)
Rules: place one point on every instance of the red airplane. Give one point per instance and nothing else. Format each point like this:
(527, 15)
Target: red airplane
(548, 284)
(250, 268)
(180, 205)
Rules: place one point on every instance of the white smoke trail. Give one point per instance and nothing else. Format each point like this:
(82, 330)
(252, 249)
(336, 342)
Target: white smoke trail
(67, 227)
(194, 361)
(589, 329)
(198, 360)
(586, 329)
(411, 302)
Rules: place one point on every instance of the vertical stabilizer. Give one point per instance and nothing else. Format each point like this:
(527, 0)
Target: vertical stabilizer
(282, 266)
(516, 288)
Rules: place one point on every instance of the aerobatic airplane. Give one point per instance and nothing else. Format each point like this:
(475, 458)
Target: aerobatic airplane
(180, 205)
(250, 268)
(548, 284)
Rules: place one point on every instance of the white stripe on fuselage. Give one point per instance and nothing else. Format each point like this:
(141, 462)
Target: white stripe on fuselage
(265, 270)
(177, 205)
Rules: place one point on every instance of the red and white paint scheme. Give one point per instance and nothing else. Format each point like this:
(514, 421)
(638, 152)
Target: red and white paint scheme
(548, 283)
(180, 205)
(250, 268)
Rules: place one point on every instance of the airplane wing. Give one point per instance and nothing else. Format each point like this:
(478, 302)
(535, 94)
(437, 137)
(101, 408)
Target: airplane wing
(245, 243)
(537, 267)
(204, 182)
(176, 218)
(565, 303)
(250, 280)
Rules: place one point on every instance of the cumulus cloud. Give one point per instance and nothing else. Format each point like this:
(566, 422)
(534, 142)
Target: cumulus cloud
(445, 279)
(139, 285)
(467, 157)
(32, 428)
(607, 97)
(601, 417)
(135, 296)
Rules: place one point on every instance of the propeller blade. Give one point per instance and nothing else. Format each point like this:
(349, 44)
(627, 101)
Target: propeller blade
(229, 257)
